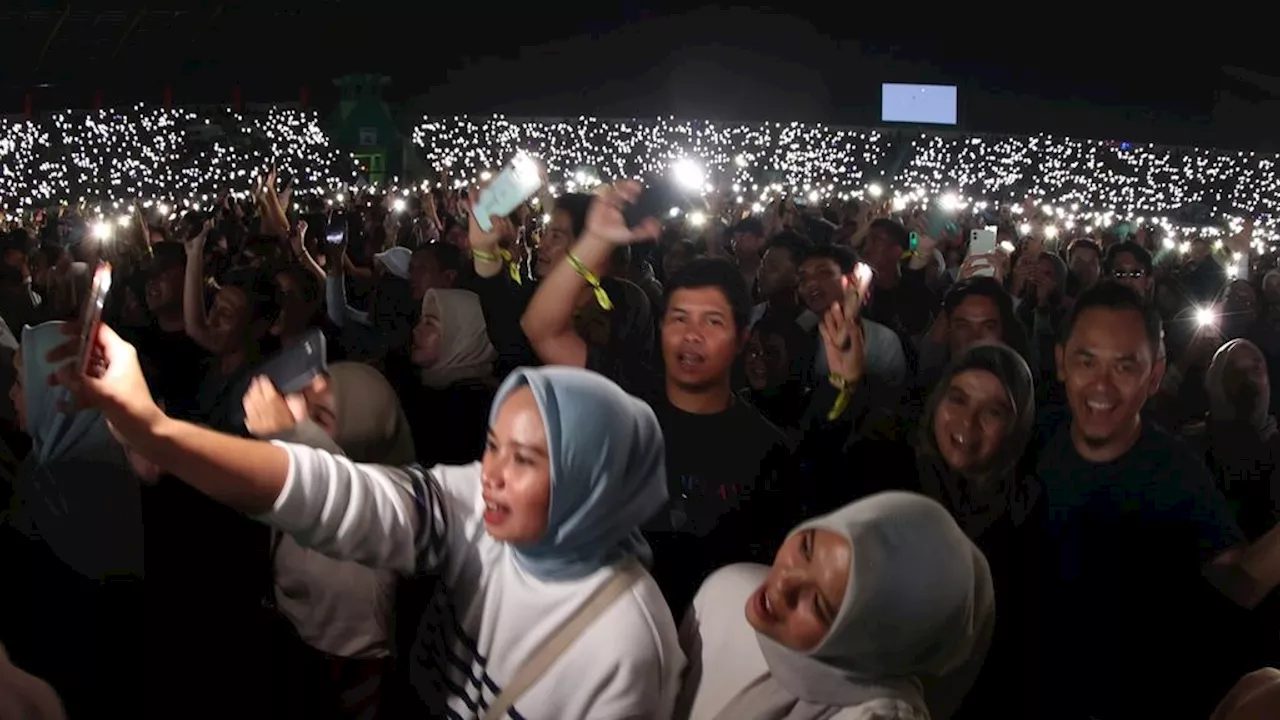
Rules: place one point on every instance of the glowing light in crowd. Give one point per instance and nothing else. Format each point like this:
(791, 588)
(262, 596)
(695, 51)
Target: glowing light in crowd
(118, 155)
(1079, 185)
(688, 174)
(1205, 316)
(178, 160)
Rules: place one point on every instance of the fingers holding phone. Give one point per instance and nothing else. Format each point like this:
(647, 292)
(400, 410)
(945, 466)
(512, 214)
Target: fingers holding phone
(267, 413)
(842, 342)
(857, 285)
(841, 326)
(110, 380)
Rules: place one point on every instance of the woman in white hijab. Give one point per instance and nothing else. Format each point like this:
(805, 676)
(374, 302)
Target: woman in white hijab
(454, 358)
(881, 610)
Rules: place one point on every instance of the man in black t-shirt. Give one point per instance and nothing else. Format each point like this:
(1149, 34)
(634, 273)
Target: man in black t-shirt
(722, 455)
(1135, 525)
(724, 460)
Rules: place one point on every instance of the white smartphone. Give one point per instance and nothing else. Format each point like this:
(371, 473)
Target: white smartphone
(982, 242)
(517, 182)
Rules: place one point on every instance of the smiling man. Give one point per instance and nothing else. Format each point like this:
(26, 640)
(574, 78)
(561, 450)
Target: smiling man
(1140, 533)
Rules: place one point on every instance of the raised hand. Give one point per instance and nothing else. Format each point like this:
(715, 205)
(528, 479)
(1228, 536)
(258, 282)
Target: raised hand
(113, 381)
(605, 220)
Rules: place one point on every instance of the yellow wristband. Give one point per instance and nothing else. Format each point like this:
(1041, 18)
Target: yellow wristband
(602, 297)
(842, 399)
(502, 256)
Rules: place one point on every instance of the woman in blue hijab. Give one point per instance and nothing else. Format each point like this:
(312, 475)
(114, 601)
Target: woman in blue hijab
(544, 607)
(79, 519)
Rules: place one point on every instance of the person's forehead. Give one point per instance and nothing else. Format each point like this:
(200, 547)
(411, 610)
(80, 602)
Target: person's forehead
(1125, 259)
(819, 262)
(977, 305)
(1115, 329)
(699, 299)
(778, 254)
(233, 296)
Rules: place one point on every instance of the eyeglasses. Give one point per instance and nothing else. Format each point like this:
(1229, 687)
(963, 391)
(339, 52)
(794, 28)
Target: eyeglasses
(1128, 274)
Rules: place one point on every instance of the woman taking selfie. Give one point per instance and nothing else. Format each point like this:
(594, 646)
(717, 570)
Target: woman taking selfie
(542, 531)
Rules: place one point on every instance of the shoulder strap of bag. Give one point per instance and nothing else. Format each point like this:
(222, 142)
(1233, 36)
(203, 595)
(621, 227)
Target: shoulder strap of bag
(546, 655)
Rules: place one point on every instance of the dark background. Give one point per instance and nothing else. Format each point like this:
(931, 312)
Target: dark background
(1019, 69)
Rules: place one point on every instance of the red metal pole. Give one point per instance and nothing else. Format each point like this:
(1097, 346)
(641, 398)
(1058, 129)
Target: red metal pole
(237, 101)
(29, 105)
(168, 97)
(304, 97)
(97, 99)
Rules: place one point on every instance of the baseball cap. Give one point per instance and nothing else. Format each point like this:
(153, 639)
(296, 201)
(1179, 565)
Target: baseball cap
(396, 261)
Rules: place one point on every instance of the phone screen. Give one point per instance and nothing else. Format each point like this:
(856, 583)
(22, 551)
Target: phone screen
(939, 221)
(92, 314)
(337, 231)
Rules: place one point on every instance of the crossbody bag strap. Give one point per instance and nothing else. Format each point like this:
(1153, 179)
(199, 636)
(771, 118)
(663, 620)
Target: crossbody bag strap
(546, 655)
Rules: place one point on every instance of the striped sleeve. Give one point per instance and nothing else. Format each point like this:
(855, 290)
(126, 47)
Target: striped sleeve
(378, 516)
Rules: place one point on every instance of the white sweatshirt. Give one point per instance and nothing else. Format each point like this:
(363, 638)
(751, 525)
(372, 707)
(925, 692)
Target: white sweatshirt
(725, 657)
(340, 608)
(626, 665)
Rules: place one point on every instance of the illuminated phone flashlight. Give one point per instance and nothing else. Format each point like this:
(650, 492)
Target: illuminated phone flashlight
(688, 174)
(1206, 317)
(697, 219)
(862, 272)
(398, 205)
(1024, 229)
(1007, 247)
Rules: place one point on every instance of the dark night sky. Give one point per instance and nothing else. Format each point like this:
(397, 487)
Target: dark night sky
(537, 59)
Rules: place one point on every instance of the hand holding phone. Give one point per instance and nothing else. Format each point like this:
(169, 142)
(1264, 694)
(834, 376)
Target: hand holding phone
(856, 286)
(519, 181)
(841, 329)
(336, 233)
(295, 367)
(978, 261)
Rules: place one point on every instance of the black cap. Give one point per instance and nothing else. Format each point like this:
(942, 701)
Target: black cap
(167, 255)
(750, 226)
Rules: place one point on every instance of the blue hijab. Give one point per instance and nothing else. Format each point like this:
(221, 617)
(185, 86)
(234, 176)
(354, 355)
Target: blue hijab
(76, 487)
(608, 471)
(53, 432)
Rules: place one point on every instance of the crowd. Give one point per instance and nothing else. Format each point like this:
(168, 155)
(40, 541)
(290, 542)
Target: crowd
(793, 449)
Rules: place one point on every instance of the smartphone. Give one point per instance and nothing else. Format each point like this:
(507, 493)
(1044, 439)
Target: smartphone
(938, 221)
(91, 316)
(293, 369)
(861, 280)
(520, 180)
(337, 230)
(982, 242)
